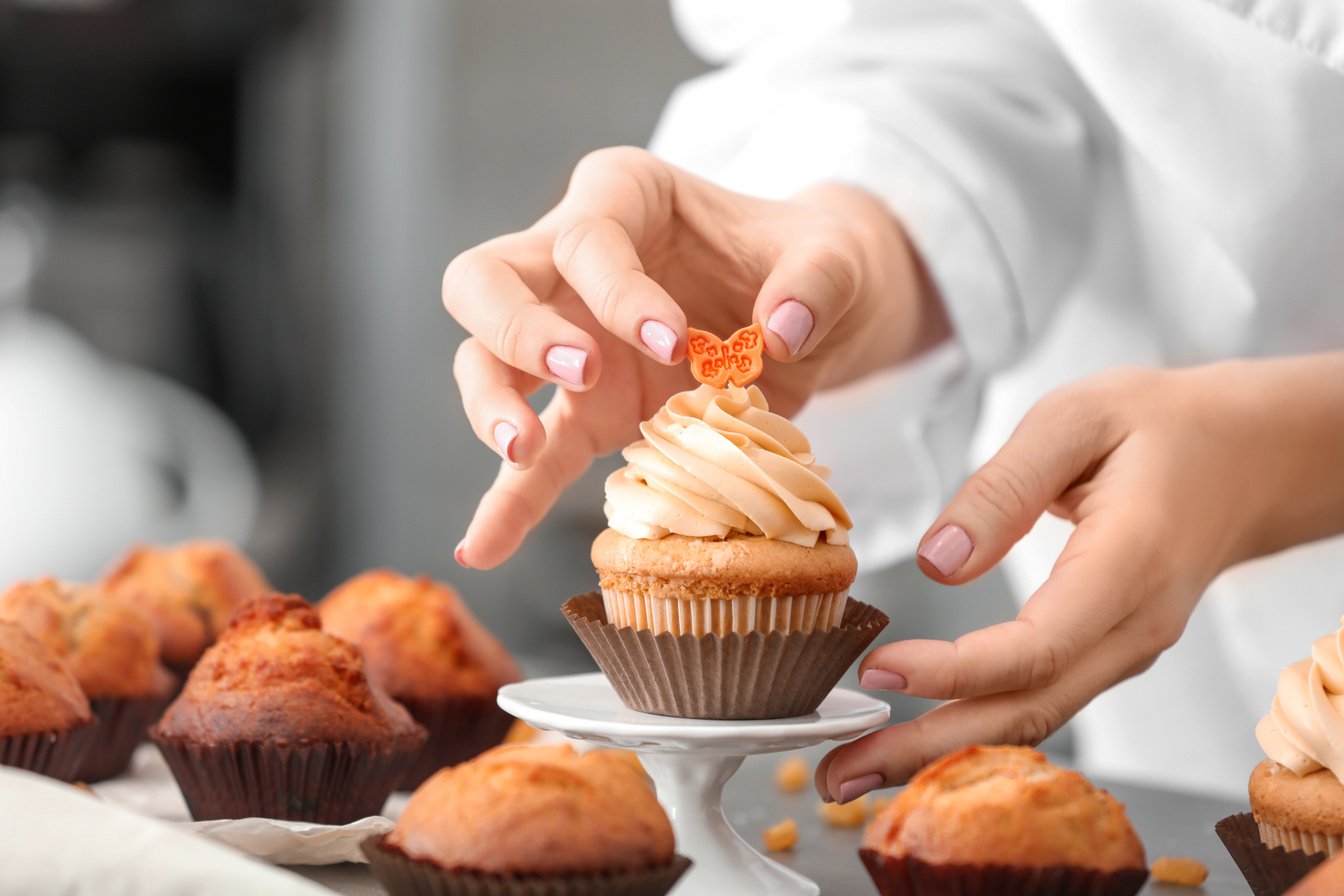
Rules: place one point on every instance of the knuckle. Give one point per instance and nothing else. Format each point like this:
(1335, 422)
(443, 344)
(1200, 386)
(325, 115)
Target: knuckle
(606, 298)
(836, 265)
(1003, 491)
(459, 272)
(1037, 721)
(569, 240)
(1046, 664)
(510, 339)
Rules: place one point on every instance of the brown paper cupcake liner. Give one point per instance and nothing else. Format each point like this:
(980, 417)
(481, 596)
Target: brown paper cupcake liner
(402, 875)
(753, 676)
(325, 783)
(1270, 870)
(1306, 841)
(459, 728)
(740, 615)
(56, 754)
(911, 877)
(122, 725)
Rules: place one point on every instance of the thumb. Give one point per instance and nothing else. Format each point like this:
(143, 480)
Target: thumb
(1055, 445)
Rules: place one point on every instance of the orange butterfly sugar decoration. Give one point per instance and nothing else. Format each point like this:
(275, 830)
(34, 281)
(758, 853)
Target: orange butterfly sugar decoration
(738, 360)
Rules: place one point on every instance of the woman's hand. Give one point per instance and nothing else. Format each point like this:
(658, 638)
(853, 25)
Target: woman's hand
(596, 297)
(1170, 478)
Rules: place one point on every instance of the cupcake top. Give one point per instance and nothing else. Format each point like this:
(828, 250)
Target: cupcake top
(715, 462)
(110, 646)
(1304, 729)
(188, 591)
(536, 810)
(1005, 806)
(418, 637)
(37, 689)
(274, 675)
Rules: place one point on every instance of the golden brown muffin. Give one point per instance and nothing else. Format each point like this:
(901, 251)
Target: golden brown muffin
(1293, 811)
(424, 647)
(46, 722)
(188, 591)
(278, 718)
(998, 815)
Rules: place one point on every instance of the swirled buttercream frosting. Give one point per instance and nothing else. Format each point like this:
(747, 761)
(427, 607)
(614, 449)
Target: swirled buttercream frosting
(713, 462)
(1304, 730)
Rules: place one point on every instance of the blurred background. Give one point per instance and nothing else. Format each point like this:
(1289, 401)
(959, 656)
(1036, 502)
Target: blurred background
(222, 229)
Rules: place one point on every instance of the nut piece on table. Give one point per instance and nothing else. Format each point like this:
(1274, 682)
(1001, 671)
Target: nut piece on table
(791, 775)
(845, 815)
(1178, 870)
(781, 837)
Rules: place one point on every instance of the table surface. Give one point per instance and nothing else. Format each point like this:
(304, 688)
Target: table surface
(1170, 824)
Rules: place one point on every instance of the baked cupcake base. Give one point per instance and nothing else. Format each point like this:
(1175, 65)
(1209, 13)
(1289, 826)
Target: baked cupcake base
(730, 615)
(1269, 870)
(56, 754)
(912, 877)
(405, 876)
(753, 676)
(459, 728)
(122, 723)
(326, 783)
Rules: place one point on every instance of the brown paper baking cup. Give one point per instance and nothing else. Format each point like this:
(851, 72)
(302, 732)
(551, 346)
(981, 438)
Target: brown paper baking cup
(1270, 870)
(326, 783)
(753, 676)
(56, 754)
(122, 723)
(911, 877)
(402, 875)
(459, 728)
(740, 615)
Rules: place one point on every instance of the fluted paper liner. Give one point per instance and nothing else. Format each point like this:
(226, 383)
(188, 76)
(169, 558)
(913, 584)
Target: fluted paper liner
(912, 877)
(56, 754)
(459, 727)
(405, 876)
(1270, 870)
(753, 676)
(324, 782)
(122, 723)
(743, 615)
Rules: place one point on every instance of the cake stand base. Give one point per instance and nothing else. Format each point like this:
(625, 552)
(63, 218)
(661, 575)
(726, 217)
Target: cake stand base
(690, 760)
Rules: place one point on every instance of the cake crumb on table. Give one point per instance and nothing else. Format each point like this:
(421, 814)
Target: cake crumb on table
(791, 775)
(845, 815)
(781, 837)
(1179, 870)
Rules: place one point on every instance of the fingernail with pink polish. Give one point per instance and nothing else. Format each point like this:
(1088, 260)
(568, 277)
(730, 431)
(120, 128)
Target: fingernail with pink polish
(857, 787)
(566, 363)
(882, 680)
(791, 322)
(505, 434)
(659, 338)
(948, 549)
(459, 553)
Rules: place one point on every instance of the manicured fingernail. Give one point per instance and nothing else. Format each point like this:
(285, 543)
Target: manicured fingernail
(659, 338)
(791, 322)
(505, 433)
(567, 362)
(459, 554)
(948, 549)
(882, 680)
(857, 787)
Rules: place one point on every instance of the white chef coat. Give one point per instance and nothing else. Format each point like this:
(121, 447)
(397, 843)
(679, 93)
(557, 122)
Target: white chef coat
(1090, 183)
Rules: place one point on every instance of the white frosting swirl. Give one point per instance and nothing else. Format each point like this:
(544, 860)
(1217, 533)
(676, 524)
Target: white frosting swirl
(717, 461)
(1304, 730)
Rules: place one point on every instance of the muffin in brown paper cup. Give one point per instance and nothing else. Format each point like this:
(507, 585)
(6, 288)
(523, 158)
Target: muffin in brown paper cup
(1270, 871)
(402, 875)
(56, 754)
(912, 877)
(123, 723)
(459, 728)
(755, 676)
(325, 783)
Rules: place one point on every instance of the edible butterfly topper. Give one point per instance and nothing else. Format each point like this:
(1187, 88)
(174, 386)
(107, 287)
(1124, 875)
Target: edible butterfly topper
(715, 362)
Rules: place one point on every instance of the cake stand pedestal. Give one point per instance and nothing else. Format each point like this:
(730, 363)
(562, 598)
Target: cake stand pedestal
(690, 760)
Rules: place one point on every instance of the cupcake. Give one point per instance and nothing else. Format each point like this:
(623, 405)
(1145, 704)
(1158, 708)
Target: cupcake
(279, 720)
(112, 649)
(46, 725)
(1002, 820)
(531, 820)
(726, 569)
(188, 592)
(422, 645)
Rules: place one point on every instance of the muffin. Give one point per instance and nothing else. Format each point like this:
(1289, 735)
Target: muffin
(1002, 820)
(188, 591)
(112, 649)
(280, 720)
(726, 569)
(422, 645)
(536, 820)
(46, 725)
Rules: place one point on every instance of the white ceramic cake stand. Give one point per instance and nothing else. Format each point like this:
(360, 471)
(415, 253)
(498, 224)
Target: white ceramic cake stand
(690, 760)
